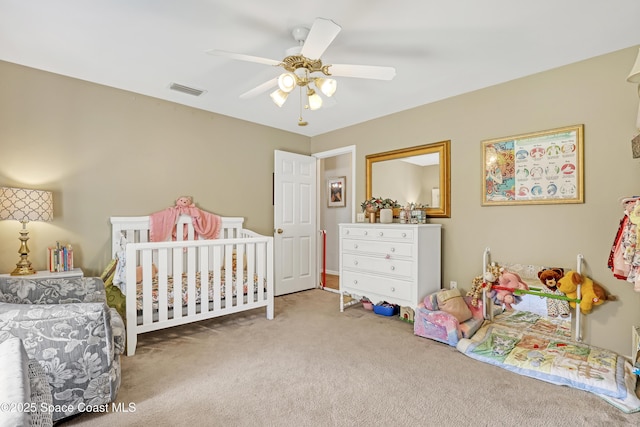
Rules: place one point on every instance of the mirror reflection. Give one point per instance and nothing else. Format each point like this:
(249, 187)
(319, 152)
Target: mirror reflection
(416, 175)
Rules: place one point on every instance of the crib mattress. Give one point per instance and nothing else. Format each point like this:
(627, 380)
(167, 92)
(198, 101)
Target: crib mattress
(181, 289)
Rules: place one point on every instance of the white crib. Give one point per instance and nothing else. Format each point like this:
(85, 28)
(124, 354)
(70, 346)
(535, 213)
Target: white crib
(207, 278)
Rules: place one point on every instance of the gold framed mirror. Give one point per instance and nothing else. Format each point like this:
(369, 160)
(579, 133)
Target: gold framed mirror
(419, 175)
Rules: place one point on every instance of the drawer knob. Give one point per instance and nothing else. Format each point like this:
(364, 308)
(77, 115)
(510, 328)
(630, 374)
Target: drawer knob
(355, 246)
(366, 232)
(355, 262)
(393, 249)
(387, 256)
(392, 268)
(404, 234)
(380, 234)
(393, 289)
(355, 282)
(346, 232)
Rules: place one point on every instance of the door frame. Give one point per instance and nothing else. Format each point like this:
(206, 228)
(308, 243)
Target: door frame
(351, 190)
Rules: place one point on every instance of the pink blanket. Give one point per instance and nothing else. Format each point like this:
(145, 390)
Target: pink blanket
(163, 224)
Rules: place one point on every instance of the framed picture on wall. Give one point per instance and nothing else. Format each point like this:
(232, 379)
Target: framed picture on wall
(536, 168)
(336, 192)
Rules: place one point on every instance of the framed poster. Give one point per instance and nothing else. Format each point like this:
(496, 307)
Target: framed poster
(336, 192)
(536, 168)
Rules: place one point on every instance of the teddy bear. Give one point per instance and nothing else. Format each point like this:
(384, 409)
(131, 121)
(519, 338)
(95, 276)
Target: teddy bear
(184, 202)
(508, 282)
(591, 293)
(477, 285)
(549, 278)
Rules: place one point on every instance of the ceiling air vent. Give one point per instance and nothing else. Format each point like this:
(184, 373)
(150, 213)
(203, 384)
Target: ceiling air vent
(186, 89)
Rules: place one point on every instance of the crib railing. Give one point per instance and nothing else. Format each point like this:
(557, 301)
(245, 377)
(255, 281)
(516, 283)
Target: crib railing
(213, 264)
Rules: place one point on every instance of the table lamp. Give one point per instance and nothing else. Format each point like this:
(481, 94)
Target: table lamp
(25, 205)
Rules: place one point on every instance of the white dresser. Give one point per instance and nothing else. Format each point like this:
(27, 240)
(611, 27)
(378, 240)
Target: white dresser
(397, 263)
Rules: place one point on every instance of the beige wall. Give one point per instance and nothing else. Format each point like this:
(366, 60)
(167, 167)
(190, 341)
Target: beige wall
(594, 93)
(108, 152)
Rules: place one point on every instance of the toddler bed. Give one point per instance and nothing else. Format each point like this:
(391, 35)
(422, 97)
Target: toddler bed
(170, 283)
(527, 341)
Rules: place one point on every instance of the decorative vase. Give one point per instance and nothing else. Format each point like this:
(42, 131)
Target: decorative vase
(386, 216)
(372, 217)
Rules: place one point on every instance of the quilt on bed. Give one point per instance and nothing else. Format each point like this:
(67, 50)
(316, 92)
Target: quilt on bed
(171, 290)
(542, 348)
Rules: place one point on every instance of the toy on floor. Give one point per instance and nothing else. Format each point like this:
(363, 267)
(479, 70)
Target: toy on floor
(508, 282)
(549, 278)
(591, 293)
(489, 278)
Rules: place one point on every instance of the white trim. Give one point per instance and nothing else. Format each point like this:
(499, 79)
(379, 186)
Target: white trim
(350, 149)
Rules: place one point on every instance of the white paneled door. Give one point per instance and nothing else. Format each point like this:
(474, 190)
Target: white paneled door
(294, 222)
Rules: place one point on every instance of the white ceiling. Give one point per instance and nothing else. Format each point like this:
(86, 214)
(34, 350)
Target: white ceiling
(439, 48)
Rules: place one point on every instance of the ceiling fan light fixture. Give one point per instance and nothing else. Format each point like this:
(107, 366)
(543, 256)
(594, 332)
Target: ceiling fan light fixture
(326, 86)
(287, 82)
(279, 97)
(315, 102)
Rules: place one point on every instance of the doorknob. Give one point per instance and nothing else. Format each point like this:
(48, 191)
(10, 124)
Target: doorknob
(279, 230)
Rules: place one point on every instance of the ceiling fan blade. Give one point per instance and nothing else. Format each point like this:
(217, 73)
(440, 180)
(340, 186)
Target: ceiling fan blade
(322, 33)
(260, 88)
(243, 57)
(363, 71)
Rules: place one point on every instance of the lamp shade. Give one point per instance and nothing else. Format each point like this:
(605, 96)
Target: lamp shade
(315, 102)
(279, 97)
(26, 205)
(634, 75)
(287, 82)
(326, 86)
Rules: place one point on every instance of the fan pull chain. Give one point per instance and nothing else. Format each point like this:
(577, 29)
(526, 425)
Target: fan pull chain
(301, 121)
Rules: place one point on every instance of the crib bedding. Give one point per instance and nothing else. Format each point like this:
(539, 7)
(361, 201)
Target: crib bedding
(539, 347)
(172, 290)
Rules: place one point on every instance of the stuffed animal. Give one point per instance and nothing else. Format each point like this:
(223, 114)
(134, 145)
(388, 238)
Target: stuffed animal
(591, 293)
(508, 282)
(184, 202)
(490, 278)
(549, 278)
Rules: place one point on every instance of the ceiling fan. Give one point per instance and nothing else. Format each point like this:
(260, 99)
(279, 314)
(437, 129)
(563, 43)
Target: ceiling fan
(304, 67)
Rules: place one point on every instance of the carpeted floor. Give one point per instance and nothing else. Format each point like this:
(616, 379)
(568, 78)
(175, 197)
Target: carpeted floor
(315, 366)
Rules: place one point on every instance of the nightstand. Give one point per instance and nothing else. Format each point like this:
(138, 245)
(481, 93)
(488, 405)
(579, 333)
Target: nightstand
(45, 274)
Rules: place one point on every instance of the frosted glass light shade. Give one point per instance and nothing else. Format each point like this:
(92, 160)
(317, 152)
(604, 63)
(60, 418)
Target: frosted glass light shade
(287, 82)
(279, 97)
(326, 86)
(315, 101)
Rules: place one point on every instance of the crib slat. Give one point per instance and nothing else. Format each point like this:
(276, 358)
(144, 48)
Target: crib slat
(251, 262)
(191, 281)
(203, 268)
(163, 273)
(147, 308)
(260, 273)
(217, 274)
(239, 271)
(177, 282)
(228, 276)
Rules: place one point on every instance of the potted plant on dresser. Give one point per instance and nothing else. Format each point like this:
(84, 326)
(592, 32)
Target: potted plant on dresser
(378, 206)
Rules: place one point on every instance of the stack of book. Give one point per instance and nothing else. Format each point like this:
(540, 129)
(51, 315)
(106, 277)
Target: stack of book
(60, 258)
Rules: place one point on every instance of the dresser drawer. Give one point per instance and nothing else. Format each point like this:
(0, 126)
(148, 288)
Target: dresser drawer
(378, 247)
(369, 285)
(396, 267)
(390, 233)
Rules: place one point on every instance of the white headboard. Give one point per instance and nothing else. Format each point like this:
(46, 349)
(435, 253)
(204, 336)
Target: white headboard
(136, 229)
